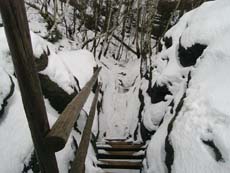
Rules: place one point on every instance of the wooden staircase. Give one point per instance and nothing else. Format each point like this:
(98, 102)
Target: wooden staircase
(122, 155)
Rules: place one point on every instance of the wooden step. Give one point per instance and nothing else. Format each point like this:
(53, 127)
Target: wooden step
(112, 140)
(114, 147)
(120, 155)
(119, 164)
(124, 143)
(119, 143)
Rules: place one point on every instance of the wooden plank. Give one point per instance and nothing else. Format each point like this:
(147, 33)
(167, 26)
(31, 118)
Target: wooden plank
(59, 134)
(119, 164)
(120, 147)
(120, 155)
(18, 37)
(123, 143)
(115, 139)
(78, 165)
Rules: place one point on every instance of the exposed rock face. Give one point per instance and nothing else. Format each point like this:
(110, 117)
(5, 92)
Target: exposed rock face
(169, 150)
(6, 90)
(57, 97)
(188, 57)
(218, 155)
(42, 62)
(158, 93)
(168, 42)
(6, 96)
(142, 105)
(32, 165)
(145, 133)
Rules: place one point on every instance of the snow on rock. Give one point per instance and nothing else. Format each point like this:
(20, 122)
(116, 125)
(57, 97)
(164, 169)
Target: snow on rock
(194, 135)
(63, 71)
(7, 89)
(80, 63)
(55, 69)
(16, 143)
(5, 58)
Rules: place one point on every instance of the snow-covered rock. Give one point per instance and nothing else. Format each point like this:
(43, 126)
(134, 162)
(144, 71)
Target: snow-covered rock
(7, 89)
(194, 135)
(61, 72)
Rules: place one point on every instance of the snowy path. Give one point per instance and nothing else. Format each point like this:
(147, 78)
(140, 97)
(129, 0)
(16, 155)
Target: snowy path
(120, 100)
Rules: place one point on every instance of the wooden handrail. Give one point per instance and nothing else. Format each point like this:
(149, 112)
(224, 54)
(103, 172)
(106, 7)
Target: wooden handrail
(59, 133)
(18, 36)
(78, 165)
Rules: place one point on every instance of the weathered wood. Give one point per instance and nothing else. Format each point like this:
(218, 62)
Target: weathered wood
(120, 164)
(114, 147)
(131, 155)
(120, 145)
(59, 134)
(123, 143)
(18, 37)
(78, 165)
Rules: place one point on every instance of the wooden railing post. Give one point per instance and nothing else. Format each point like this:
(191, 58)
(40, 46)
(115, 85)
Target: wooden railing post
(18, 37)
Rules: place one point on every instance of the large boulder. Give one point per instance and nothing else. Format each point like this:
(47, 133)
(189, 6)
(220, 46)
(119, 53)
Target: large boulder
(194, 134)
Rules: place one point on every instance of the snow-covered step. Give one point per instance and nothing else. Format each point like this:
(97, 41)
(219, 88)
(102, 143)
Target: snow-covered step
(109, 164)
(121, 171)
(120, 146)
(122, 143)
(118, 142)
(120, 155)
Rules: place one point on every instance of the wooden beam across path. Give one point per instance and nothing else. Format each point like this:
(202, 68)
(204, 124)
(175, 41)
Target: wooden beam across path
(78, 165)
(59, 134)
(131, 155)
(19, 41)
(123, 143)
(119, 148)
(108, 164)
